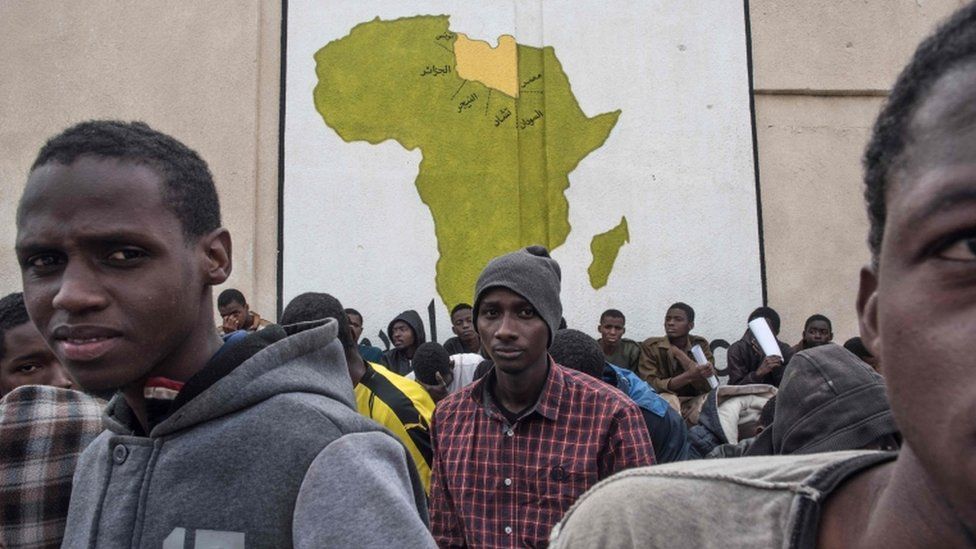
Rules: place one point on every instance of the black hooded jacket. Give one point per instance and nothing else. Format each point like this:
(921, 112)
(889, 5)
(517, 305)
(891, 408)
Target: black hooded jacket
(395, 359)
(829, 400)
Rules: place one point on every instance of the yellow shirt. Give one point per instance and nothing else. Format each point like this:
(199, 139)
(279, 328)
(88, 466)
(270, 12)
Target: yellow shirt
(402, 406)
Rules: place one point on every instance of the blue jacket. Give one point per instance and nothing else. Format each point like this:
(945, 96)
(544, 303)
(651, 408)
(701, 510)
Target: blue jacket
(668, 432)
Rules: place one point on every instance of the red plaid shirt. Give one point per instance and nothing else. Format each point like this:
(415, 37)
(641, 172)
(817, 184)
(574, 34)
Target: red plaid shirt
(500, 485)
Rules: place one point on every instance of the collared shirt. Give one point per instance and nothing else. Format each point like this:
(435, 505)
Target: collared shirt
(501, 485)
(657, 366)
(43, 430)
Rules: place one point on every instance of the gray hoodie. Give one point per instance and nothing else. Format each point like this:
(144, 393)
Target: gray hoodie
(829, 400)
(274, 454)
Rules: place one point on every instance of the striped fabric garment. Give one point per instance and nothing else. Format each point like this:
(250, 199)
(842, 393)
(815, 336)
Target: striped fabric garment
(43, 430)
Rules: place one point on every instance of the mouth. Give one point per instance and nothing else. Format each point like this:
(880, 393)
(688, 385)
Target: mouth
(507, 353)
(84, 343)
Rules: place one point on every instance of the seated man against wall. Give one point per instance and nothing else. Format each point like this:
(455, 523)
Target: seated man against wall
(917, 313)
(367, 351)
(406, 332)
(617, 349)
(817, 331)
(116, 216)
(746, 361)
(237, 314)
(669, 435)
(395, 402)
(442, 374)
(465, 338)
(515, 449)
(667, 364)
(44, 426)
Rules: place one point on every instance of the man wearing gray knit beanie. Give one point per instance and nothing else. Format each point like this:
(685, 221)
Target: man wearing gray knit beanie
(529, 430)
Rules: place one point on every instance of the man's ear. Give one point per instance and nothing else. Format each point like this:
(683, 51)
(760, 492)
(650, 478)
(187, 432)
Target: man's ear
(867, 310)
(216, 250)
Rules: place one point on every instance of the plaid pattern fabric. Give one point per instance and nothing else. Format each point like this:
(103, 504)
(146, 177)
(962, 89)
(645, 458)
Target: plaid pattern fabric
(500, 485)
(42, 432)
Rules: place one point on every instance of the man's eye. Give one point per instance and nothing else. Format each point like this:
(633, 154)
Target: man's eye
(43, 261)
(126, 255)
(960, 250)
(527, 313)
(28, 368)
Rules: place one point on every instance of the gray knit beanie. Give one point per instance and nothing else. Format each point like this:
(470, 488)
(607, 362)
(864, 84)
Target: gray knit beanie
(532, 274)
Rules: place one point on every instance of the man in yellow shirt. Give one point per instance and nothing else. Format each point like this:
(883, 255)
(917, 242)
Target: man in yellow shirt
(395, 402)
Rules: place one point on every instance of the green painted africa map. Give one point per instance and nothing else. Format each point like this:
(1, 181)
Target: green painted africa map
(498, 127)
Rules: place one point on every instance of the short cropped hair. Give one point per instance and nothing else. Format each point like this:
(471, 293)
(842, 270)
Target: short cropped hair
(771, 316)
(856, 346)
(230, 295)
(429, 359)
(188, 188)
(574, 349)
(13, 313)
(460, 307)
(814, 318)
(316, 306)
(612, 313)
(686, 308)
(353, 312)
(953, 44)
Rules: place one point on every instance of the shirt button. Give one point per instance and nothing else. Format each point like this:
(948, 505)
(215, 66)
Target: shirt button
(508, 530)
(119, 454)
(508, 482)
(509, 433)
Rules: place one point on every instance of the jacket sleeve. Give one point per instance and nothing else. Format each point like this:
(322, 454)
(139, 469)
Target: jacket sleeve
(444, 521)
(361, 479)
(651, 370)
(628, 443)
(738, 362)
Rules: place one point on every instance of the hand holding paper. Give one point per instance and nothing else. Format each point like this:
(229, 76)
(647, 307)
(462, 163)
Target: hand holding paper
(700, 359)
(767, 341)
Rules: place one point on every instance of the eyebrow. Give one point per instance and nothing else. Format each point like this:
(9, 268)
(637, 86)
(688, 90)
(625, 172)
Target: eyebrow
(945, 201)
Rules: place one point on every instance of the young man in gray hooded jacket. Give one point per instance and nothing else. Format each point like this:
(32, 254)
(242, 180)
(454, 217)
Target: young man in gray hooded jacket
(251, 443)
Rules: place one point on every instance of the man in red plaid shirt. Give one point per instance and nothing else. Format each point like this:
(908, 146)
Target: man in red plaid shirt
(514, 450)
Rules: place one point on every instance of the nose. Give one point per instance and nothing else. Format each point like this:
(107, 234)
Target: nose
(61, 378)
(79, 290)
(506, 327)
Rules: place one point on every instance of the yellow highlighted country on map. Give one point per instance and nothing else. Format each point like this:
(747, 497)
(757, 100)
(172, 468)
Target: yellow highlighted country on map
(494, 67)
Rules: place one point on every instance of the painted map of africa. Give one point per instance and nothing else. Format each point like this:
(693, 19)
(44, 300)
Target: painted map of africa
(498, 127)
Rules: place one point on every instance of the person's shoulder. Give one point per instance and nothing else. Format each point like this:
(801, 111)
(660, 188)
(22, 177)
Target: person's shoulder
(409, 387)
(42, 402)
(591, 388)
(653, 341)
(731, 488)
(698, 340)
(629, 343)
(459, 402)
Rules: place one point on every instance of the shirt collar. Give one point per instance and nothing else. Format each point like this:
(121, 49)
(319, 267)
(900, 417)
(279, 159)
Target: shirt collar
(547, 405)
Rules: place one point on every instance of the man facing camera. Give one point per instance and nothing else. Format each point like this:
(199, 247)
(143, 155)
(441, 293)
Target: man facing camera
(120, 245)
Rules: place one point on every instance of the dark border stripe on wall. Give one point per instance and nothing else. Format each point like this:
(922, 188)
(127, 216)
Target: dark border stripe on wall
(755, 154)
(281, 159)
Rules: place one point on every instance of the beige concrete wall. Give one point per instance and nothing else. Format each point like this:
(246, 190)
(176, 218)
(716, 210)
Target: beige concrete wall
(208, 73)
(821, 71)
(205, 72)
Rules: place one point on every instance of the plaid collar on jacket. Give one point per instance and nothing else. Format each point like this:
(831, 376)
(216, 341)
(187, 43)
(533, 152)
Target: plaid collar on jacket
(43, 430)
(501, 485)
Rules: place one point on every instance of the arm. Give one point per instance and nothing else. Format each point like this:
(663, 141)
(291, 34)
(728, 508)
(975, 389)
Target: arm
(378, 488)
(444, 522)
(691, 371)
(628, 443)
